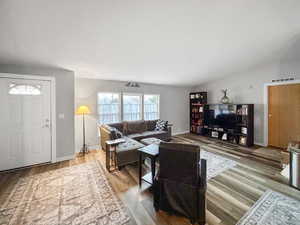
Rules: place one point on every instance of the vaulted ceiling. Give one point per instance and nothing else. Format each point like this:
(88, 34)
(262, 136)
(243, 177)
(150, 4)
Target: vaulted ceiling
(178, 42)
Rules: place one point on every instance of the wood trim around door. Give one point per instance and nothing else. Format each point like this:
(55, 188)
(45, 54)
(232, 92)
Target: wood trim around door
(266, 106)
(53, 103)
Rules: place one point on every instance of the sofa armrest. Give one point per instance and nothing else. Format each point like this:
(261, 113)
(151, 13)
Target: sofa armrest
(169, 130)
(105, 135)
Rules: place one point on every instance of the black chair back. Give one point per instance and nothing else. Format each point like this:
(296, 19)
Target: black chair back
(179, 162)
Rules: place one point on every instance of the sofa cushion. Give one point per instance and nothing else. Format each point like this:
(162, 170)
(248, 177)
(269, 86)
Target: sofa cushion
(134, 127)
(158, 134)
(162, 135)
(136, 136)
(151, 133)
(145, 134)
(151, 125)
(118, 126)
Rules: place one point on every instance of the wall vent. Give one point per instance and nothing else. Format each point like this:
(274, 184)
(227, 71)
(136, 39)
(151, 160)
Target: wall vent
(284, 79)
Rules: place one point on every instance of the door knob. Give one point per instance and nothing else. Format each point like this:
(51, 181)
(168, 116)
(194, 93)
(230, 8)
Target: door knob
(47, 123)
(270, 115)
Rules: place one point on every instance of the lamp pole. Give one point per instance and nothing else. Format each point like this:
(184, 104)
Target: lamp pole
(84, 148)
(83, 110)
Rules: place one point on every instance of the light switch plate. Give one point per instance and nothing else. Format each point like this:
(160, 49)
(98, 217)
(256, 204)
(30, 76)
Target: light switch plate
(61, 116)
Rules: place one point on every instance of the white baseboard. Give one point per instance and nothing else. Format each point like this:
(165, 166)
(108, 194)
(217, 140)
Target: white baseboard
(64, 158)
(181, 132)
(260, 144)
(94, 147)
(90, 147)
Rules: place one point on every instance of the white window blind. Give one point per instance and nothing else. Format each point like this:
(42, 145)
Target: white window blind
(132, 105)
(109, 105)
(151, 107)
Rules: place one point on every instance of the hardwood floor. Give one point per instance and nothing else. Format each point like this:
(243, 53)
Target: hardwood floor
(229, 196)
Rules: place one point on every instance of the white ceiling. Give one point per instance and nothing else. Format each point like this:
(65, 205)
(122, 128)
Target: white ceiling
(178, 42)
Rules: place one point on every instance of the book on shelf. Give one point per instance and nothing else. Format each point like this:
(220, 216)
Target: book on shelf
(224, 137)
(243, 110)
(243, 140)
(244, 130)
(215, 134)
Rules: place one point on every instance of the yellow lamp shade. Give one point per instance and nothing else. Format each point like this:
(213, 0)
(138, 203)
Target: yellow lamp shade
(83, 110)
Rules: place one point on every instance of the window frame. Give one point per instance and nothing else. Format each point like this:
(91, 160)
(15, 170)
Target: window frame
(121, 104)
(141, 96)
(120, 119)
(158, 108)
(13, 89)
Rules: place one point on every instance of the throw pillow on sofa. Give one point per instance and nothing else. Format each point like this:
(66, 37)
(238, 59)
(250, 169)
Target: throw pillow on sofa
(119, 134)
(115, 134)
(151, 124)
(161, 125)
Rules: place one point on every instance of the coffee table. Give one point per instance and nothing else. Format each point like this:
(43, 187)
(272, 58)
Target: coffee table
(152, 152)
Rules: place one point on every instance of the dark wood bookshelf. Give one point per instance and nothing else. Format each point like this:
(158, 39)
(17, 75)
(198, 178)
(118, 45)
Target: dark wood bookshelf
(197, 104)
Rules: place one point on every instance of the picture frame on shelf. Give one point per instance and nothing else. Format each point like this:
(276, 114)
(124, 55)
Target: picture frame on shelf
(243, 140)
(233, 140)
(214, 134)
(224, 137)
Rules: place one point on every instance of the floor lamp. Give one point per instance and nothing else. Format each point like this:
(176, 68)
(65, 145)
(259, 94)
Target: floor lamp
(83, 110)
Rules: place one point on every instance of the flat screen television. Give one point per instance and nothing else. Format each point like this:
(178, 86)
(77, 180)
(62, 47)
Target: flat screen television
(223, 116)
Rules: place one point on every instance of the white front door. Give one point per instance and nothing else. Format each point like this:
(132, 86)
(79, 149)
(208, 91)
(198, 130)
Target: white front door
(25, 122)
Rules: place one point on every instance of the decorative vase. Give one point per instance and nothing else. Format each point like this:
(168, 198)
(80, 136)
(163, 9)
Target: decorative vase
(225, 99)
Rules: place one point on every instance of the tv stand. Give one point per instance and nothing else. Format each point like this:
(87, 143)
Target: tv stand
(233, 123)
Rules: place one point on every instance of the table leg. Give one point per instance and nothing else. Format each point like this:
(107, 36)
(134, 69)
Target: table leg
(115, 157)
(140, 169)
(111, 159)
(107, 157)
(153, 168)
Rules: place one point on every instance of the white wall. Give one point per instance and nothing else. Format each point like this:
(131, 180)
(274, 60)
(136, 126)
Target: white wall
(174, 104)
(64, 102)
(248, 86)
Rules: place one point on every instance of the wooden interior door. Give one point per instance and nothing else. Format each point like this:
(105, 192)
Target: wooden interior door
(284, 114)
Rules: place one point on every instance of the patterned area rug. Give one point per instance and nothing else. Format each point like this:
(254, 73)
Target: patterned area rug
(273, 208)
(216, 164)
(74, 195)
